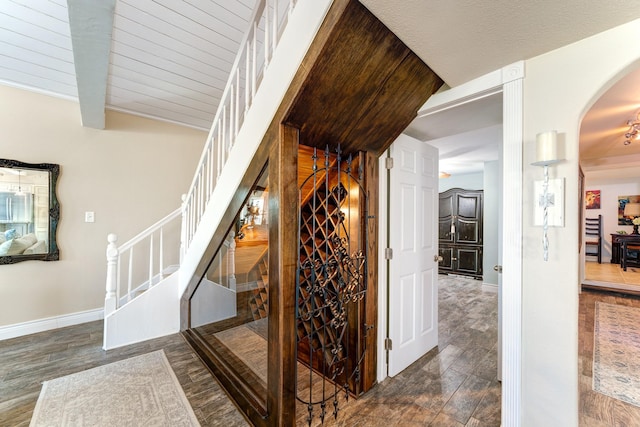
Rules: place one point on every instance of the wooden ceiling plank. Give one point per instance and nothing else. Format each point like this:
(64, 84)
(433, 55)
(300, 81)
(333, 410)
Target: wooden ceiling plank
(180, 41)
(10, 41)
(29, 56)
(175, 63)
(208, 21)
(170, 104)
(233, 12)
(190, 58)
(152, 110)
(184, 97)
(37, 70)
(164, 21)
(212, 97)
(129, 66)
(30, 33)
(32, 15)
(54, 8)
(49, 84)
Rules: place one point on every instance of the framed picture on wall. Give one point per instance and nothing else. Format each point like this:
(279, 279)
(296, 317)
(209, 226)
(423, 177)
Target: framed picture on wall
(622, 202)
(592, 199)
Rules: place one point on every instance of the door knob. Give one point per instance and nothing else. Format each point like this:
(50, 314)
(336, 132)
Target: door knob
(497, 268)
(437, 258)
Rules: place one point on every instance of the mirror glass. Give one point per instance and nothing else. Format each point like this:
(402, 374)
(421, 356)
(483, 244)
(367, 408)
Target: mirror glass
(29, 211)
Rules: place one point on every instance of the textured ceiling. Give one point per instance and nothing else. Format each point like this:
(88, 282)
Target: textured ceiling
(464, 39)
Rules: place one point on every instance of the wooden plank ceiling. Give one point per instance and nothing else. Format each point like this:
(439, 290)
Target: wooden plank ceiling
(169, 59)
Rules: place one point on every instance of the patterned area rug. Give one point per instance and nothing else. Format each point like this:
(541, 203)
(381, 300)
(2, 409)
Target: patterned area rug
(616, 352)
(142, 390)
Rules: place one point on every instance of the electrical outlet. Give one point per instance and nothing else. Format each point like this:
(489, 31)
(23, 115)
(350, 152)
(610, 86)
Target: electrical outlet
(89, 217)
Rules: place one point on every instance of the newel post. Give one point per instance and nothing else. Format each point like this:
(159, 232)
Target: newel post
(111, 299)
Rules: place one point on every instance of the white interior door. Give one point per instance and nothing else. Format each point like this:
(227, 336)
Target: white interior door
(413, 238)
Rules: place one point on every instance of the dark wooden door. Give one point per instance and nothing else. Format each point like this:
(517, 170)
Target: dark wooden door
(460, 232)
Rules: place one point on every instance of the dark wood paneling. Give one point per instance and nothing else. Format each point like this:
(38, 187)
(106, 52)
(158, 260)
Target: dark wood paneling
(394, 107)
(283, 208)
(364, 88)
(369, 368)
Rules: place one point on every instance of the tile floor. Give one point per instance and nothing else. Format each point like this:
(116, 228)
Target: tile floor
(453, 385)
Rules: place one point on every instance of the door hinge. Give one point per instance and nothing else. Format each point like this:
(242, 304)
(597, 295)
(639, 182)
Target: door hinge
(388, 253)
(388, 344)
(388, 162)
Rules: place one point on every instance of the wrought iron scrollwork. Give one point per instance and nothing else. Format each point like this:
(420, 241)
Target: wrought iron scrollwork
(331, 281)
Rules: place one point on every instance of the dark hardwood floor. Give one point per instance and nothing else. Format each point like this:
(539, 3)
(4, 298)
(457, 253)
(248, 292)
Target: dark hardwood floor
(27, 361)
(596, 409)
(452, 385)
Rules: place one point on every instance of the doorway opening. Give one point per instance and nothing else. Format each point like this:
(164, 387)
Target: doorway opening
(610, 170)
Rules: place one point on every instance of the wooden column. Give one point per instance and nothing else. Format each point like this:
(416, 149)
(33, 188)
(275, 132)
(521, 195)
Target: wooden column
(371, 308)
(283, 258)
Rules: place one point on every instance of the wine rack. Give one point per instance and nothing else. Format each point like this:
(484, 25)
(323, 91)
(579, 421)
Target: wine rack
(331, 279)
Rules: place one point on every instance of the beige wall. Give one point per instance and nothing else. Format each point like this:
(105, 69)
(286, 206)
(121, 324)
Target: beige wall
(131, 174)
(559, 87)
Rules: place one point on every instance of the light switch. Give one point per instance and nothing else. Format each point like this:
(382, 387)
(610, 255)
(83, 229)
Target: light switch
(89, 217)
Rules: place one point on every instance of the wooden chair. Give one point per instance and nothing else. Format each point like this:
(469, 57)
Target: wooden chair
(593, 241)
(630, 253)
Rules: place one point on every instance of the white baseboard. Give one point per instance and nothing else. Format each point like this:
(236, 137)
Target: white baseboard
(490, 287)
(41, 325)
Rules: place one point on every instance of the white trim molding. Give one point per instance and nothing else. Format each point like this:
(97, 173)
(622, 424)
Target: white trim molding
(512, 190)
(49, 323)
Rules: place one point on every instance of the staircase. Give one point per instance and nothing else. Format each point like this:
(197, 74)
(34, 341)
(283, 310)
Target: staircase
(147, 275)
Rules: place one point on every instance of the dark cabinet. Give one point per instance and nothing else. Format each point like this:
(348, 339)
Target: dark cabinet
(460, 232)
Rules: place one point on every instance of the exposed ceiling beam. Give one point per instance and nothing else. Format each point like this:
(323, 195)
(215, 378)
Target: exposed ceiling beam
(91, 23)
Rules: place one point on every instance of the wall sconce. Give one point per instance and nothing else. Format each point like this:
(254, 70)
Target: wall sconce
(632, 210)
(546, 155)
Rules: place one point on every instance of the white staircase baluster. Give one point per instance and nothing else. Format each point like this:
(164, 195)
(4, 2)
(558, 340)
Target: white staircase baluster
(161, 256)
(111, 297)
(237, 124)
(266, 34)
(232, 119)
(254, 60)
(219, 152)
(247, 102)
(151, 261)
(183, 228)
(130, 276)
(274, 38)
